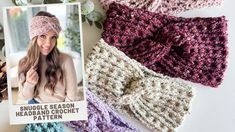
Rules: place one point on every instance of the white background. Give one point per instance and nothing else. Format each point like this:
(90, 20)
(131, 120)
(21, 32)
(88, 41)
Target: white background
(213, 109)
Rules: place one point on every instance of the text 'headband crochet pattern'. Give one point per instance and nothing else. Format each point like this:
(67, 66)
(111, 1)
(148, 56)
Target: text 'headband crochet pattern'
(100, 118)
(42, 24)
(194, 49)
(159, 102)
(164, 6)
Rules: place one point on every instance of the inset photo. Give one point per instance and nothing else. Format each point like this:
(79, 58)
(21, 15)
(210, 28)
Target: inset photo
(45, 62)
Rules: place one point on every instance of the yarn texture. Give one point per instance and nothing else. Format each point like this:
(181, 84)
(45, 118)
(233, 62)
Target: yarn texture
(164, 6)
(43, 127)
(193, 49)
(159, 102)
(100, 118)
(42, 24)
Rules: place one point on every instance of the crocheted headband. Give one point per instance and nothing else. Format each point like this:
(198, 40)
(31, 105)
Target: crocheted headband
(164, 6)
(100, 118)
(43, 127)
(128, 87)
(194, 49)
(42, 24)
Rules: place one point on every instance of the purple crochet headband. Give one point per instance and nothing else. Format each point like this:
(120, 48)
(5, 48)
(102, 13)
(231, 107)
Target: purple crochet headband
(164, 6)
(42, 24)
(100, 118)
(194, 49)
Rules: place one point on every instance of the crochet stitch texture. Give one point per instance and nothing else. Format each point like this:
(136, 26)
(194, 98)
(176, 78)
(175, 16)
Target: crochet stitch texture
(193, 49)
(43, 24)
(164, 6)
(43, 127)
(100, 118)
(157, 101)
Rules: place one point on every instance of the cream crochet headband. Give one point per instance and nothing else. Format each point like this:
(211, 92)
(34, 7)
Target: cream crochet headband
(42, 24)
(157, 101)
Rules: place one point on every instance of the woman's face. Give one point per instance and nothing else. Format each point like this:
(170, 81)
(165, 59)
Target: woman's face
(46, 42)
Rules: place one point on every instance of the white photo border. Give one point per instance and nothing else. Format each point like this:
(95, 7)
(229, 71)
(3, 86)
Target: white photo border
(79, 106)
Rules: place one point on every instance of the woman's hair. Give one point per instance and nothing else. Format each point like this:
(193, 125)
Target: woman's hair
(53, 72)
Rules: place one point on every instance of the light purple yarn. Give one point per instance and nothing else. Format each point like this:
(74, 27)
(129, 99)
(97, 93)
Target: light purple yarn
(100, 118)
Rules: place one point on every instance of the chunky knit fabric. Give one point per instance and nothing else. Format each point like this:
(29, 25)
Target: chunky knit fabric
(194, 49)
(128, 87)
(43, 127)
(100, 118)
(42, 24)
(164, 6)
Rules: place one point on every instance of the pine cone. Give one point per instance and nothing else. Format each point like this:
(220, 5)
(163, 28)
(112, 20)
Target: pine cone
(3, 81)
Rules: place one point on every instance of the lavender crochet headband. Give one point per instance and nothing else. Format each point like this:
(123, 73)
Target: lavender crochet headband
(193, 49)
(42, 24)
(101, 118)
(164, 6)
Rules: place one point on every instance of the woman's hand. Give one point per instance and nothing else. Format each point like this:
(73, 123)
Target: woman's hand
(32, 76)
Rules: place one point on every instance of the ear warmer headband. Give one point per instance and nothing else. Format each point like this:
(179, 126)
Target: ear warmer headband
(159, 102)
(43, 127)
(164, 6)
(101, 118)
(42, 24)
(193, 49)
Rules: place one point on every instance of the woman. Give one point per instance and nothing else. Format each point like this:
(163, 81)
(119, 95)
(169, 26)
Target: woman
(45, 74)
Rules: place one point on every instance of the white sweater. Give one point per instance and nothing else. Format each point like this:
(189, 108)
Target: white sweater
(66, 91)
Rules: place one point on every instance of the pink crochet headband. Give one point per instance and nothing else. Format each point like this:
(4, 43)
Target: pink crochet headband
(164, 6)
(193, 49)
(42, 24)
